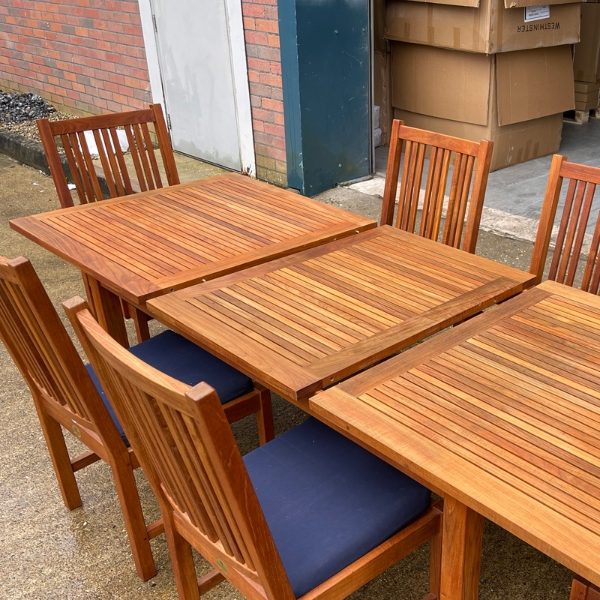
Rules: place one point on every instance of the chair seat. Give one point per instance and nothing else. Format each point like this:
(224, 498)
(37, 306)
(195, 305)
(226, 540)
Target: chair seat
(181, 359)
(327, 501)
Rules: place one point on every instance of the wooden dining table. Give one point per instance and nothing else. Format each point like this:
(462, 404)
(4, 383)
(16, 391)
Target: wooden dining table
(140, 246)
(501, 417)
(303, 322)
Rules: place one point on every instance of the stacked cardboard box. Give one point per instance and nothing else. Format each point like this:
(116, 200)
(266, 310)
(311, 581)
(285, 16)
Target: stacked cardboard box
(587, 59)
(494, 69)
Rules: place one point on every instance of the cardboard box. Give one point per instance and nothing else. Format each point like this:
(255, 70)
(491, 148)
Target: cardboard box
(586, 87)
(587, 52)
(486, 26)
(586, 95)
(515, 99)
(513, 144)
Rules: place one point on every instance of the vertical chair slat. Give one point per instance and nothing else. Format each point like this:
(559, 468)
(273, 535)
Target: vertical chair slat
(427, 193)
(103, 154)
(88, 165)
(224, 519)
(76, 174)
(143, 154)
(433, 177)
(120, 157)
(151, 155)
(452, 209)
(441, 193)
(591, 275)
(577, 246)
(406, 191)
(414, 185)
(135, 157)
(81, 167)
(115, 170)
(404, 197)
(559, 249)
(419, 166)
(463, 201)
(571, 231)
(192, 459)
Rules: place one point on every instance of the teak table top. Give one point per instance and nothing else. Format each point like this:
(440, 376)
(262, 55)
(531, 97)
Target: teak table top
(501, 414)
(301, 323)
(143, 245)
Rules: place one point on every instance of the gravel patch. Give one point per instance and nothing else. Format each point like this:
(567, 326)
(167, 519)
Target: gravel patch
(19, 112)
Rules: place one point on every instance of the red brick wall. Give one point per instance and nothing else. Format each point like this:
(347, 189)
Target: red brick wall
(79, 54)
(266, 96)
(89, 57)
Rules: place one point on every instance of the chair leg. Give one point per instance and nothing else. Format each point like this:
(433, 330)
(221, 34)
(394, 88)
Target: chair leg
(133, 517)
(140, 321)
(435, 565)
(264, 418)
(61, 461)
(182, 560)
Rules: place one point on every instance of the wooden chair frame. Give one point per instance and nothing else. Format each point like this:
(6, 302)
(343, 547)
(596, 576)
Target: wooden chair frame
(470, 169)
(576, 213)
(208, 502)
(65, 397)
(87, 175)
(114, 170)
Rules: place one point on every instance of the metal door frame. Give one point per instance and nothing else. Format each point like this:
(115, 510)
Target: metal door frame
(237, 45)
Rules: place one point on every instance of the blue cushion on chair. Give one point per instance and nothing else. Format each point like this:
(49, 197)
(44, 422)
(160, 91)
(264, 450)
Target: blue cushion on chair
(181, 359)
(327, 501)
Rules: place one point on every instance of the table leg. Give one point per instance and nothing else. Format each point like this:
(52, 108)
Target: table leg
(106, 306)
(462, 534)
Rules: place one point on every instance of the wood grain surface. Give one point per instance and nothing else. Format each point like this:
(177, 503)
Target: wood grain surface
(502, 414)
(305, 321)
(149, 243)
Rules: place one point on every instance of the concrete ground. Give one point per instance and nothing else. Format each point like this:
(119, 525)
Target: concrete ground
(47, 552)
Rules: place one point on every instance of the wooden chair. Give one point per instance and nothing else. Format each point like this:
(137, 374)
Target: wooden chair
(469, 165)
(280, 523)
(584, 591)
(65, 394)
(569, 261)
(139, 126)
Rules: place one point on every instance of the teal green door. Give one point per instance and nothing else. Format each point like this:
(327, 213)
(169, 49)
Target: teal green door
(325, 52)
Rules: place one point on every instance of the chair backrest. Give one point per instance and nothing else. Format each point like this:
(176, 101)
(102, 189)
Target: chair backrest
(184, 443)
(455, 178)
(44, 353)
(138, 127)
(576, 253)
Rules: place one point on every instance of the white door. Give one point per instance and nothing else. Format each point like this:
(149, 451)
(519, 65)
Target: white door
(202, 62)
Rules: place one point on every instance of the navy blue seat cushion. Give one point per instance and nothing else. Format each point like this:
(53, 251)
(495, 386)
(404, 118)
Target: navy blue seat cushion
(327, 501)
(181, 359)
